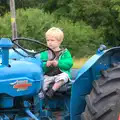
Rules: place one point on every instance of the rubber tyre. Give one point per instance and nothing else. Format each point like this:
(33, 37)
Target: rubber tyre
(103, 103)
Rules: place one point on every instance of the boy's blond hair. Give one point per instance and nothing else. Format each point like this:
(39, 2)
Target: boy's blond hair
(55, 32)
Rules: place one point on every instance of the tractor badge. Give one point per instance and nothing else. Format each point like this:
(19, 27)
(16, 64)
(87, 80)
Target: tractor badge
(21, 85)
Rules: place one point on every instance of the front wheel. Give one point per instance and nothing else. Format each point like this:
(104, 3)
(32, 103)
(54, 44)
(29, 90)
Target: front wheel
(103, 103)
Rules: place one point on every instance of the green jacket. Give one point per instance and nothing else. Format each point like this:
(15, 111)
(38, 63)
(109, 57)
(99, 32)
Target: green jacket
(65, 61)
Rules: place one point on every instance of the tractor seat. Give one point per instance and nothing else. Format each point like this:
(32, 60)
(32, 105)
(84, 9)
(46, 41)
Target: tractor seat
(67, 87)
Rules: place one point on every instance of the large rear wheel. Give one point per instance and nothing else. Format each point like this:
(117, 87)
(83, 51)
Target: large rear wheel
(103, 103)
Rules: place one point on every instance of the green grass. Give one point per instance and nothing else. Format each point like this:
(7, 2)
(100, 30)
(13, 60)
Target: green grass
(78, 63)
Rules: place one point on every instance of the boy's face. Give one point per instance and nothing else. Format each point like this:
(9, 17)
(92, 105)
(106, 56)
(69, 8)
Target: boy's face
(53, 43)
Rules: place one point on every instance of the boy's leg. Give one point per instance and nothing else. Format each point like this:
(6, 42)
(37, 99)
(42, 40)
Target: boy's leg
(47, 81)
(55, 87)
(58, 84)
(60, 80)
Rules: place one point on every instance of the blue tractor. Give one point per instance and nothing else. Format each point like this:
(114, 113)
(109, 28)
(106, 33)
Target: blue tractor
(92, 94)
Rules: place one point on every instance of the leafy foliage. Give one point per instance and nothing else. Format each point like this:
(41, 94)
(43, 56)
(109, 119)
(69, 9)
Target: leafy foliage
(103, 14)
(80, 38)
(5, 26)
(4, 7)
(33, 23)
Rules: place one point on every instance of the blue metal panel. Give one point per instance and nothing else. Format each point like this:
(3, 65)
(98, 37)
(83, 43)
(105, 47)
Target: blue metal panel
(20, 71)
(6, 101)
(5, 44)
(4, 117)
(15, 73)
(21, 118)
(14, 55)
(89, 72)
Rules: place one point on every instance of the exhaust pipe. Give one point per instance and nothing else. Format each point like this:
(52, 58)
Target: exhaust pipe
(5, 45)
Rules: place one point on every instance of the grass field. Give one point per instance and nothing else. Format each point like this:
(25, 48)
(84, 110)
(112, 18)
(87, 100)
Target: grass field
(78, 63)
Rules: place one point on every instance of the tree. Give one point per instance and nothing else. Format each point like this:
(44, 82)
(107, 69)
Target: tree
(4, 7)
(33, 23)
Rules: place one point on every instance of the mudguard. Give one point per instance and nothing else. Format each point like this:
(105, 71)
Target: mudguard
(90, 71)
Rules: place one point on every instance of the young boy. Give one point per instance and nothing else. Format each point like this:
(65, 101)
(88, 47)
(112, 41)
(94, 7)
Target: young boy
(56, 71)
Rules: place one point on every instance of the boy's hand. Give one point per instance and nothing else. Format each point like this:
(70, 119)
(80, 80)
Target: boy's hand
(49, 63)
(54, 63)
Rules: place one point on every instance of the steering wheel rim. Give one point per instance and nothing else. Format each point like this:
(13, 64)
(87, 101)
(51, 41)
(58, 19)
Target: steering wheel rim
(30, 53)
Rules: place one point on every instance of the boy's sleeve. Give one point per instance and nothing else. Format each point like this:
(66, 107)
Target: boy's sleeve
(66, 61)
(44, 61)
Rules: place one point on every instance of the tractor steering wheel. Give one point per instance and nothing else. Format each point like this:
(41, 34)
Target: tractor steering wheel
(30, 53)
